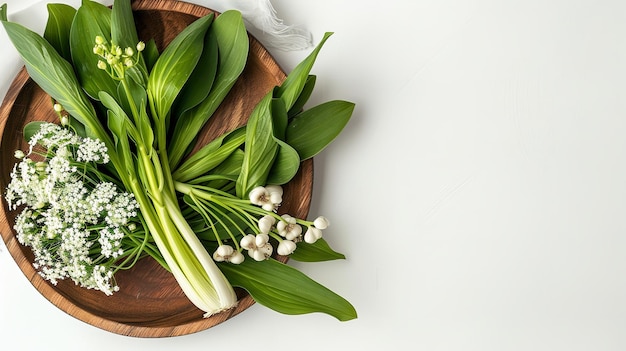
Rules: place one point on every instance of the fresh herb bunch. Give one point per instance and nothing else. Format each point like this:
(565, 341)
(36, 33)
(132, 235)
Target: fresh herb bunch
(202, 211)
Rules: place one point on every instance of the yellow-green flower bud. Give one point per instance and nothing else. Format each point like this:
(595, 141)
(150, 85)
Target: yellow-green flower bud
(100, 40)
(58, 107)
(141, 46)
(102, 65)
(129, 52)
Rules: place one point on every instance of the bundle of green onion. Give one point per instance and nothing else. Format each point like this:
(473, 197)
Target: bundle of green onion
(209, 217)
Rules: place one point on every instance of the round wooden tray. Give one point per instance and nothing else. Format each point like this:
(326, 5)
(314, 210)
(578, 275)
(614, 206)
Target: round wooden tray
(150, 302)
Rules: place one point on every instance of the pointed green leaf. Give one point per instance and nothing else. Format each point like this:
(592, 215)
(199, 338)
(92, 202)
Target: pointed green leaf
(57, 31)
(165, 83)
(312, 130)
(92, 19)
(295, 82)
(199, 85)
(233, 46)
(286, 290)
(123, 30)
(259, 150)
(304, 96)
(317, 252)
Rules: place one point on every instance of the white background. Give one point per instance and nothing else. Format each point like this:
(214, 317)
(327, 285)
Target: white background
(478, 192)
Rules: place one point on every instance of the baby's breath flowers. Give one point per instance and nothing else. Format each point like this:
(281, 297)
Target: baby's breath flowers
(77, 225)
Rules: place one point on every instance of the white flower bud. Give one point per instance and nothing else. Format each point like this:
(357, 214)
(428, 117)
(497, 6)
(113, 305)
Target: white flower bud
(312, 235)
(276, 194)
(57, 107)
(248, 242)
(258, 196)
(236, 258)
(141, 46)
(286, 247)
(65, 121)
(321, 222)
(261, 240)
(266, 223)
(129, 51)
(19, 154)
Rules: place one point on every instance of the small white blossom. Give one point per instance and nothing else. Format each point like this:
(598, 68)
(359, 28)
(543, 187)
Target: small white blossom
(288, 228)
(258, 246)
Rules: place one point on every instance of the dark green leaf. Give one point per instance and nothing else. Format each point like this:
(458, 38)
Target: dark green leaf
(55, 76)
(317, 252)
(289, 91)
(57, 31)
(210, 156)
(123, 31)
(233, 45)
(92, 19)
(304, 96)
(31, 129)
(199, 84)
(312, 130)
(286, 290)
(165, 83)
(260, 148)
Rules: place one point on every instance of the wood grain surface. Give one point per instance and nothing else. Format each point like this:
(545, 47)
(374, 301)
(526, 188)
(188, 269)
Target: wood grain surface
(149, 303)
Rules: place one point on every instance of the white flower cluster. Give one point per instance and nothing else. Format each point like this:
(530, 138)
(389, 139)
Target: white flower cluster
(286, 230)
(73, 225)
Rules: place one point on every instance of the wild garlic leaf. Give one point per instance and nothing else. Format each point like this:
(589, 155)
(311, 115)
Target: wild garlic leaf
(289, 91)
(175, 65)
(287, 161)
(55, 76)
(316, 252)
(233, 46)
(304, 96)
(286, 290)
(259, 149)
(210, 156)
(92, 19)
(312, 130)
(199, 84)
(123, 30)
(57, 31)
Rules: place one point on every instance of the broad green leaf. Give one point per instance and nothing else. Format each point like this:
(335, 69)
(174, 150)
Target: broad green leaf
(31, 129)
(260, 148)
(56, 77)
(312, 130)
(286, 290)
(210, 156)
(289, 91)
(92, 19)
(123, 30)
(233, 46)
(287, 161)
(285, 166)
(57, 31)
(199, 85)
(175, 65)
(304, 96)
(317, 252)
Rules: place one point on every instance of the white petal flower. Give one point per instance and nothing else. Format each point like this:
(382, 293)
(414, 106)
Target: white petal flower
(275, 194)
(261, 240)
(259, 196)
(248, 242)
(286, 247)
